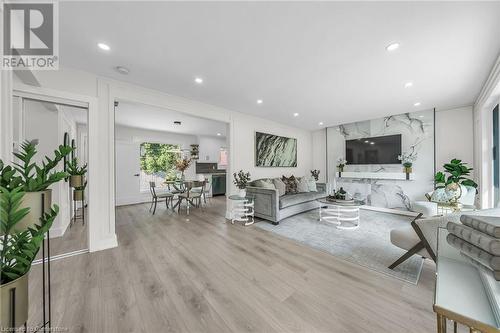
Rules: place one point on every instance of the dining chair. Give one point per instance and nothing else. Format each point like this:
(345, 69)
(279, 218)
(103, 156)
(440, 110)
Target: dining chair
(192, 195)
(155, 196)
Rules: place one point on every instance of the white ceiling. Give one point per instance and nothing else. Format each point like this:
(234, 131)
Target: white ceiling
(157, 119)
(325, 60)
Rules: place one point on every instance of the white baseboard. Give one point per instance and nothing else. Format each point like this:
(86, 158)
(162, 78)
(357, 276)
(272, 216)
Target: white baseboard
(104, 244)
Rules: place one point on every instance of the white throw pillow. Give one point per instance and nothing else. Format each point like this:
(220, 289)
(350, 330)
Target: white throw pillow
(311, 184)
(303, 185)
(280, 186)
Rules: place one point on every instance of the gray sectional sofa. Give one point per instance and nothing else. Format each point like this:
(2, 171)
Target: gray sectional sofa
(270, 206)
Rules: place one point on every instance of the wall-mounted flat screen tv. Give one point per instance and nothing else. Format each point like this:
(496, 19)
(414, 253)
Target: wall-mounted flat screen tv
(375, 150)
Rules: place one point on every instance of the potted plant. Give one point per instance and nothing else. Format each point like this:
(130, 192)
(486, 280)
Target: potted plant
(315, 174)
(19, 248)
(34, 179)
(79, 192)
(454, 179)
(341, 162)
(77, 174)
(407, 159)
(241, 180)
(195, 151)
(182, 165)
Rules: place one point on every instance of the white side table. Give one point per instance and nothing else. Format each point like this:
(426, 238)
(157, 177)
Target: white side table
(242, 209)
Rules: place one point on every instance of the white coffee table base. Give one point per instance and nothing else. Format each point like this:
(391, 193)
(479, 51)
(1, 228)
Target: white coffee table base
(343, 216)
(243, 210)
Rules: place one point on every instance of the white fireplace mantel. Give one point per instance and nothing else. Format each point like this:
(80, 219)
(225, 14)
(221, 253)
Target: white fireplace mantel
(375, 175)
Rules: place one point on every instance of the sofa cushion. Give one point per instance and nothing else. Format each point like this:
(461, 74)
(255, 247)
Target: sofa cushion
(295, 199)
(311, 184)
(291, 184)
(264, 183)
(303, 186)
(280, 186)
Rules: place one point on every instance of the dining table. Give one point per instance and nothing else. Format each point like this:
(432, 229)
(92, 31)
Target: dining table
(179, 187)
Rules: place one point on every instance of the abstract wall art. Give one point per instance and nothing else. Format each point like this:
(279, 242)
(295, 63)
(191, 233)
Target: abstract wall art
(275, 151)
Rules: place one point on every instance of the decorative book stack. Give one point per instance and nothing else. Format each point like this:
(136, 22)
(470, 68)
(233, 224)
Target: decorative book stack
(478, 239)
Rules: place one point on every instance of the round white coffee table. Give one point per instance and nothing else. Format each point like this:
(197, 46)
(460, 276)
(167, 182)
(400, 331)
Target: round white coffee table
(345, 215)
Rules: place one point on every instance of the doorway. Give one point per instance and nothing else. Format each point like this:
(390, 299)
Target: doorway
(49, 123)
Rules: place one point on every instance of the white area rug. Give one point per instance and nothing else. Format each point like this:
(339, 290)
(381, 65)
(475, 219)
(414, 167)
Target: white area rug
(368, 246)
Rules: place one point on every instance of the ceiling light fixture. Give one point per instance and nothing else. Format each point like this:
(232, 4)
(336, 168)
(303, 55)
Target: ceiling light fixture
(218, 134)
(320, 123)
(122, 70)
(295, 114)
(198, 80)
(366, 141)
(372, 143)
(177, 123)
(392, 47)
(408, 84)
(416, 104)
(259, 101)
(104, 47)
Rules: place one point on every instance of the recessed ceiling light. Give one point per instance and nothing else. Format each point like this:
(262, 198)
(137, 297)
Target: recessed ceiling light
(320, 123)
(218, 134)
(408, 84)
(122, 70)
(198, 80)
(420, 116)
(104, 47)
(392, 47)
(372, 143)
(295, 114)
(259, 101)
(416, 104)
(366, 141)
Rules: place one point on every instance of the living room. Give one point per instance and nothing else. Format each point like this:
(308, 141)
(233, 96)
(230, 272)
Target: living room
(343, 118)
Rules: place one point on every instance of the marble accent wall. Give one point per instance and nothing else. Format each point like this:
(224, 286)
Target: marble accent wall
(417, 135)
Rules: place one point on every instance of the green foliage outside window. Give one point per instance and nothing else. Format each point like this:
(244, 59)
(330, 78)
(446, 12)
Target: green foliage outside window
(158, 157)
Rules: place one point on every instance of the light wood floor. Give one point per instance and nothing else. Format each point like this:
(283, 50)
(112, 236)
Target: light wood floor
(203, 274)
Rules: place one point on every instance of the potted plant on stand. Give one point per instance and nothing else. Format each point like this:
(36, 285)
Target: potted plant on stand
(19, 247)
(35, 180)
(455, 184)
(76, 174)
(407, 160)
(241, 180)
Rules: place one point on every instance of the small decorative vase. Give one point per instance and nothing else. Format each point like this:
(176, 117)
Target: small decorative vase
(14, 318)
(341, 168)
(243, 192)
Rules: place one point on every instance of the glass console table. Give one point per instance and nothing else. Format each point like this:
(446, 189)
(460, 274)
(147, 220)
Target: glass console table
(463, 293)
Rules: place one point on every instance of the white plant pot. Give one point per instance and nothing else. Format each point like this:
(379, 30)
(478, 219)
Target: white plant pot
(19, 289)
(243, 193)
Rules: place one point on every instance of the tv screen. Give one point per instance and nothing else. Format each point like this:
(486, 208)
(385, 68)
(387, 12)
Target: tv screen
(375, 150)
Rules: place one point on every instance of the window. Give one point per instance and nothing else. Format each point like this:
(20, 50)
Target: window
(157, 162)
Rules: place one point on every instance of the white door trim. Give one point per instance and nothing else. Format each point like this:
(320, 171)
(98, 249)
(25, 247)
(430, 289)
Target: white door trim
(97, 240)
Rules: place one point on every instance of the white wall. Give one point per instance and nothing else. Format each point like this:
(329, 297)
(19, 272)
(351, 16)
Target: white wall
(454, 136)
(83, 85)
(136, 136)
(209, 148)
(319, 153)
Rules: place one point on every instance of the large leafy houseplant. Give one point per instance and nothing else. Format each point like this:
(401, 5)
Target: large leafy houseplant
(455, 172)
(34, 179)
(18, 249)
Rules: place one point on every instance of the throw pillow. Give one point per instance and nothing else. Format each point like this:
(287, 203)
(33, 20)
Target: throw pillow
(311, 184)
(280, 186)
(290, 183)
(264, 183)
(303, 185)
